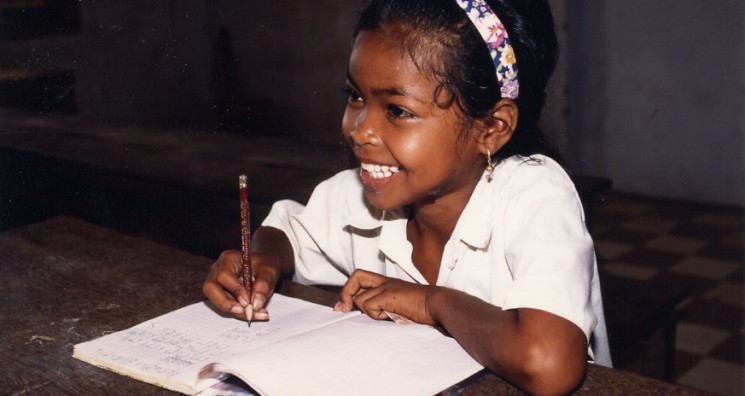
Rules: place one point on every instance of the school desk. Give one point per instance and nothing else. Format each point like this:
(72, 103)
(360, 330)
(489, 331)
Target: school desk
(65, 281)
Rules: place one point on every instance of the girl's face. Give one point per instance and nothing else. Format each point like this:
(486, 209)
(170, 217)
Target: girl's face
(410, 149)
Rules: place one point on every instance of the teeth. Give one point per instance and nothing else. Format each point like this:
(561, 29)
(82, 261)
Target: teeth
(379, 171)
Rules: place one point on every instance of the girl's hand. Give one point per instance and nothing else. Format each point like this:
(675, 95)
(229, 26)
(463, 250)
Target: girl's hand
(271, 258)
(375, 294)
(224, 287)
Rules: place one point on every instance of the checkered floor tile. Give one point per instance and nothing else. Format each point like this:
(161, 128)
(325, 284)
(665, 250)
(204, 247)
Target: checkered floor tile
(701, 247)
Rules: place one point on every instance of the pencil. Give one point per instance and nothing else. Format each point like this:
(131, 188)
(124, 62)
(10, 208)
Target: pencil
(246, 245)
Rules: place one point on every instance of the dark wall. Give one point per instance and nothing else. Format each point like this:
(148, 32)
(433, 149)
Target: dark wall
(260, 67)
(657, 96)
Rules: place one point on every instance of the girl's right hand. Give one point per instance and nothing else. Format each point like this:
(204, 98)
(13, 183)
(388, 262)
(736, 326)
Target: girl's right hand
(224, 287)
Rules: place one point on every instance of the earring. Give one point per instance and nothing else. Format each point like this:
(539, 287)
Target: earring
(489, 164)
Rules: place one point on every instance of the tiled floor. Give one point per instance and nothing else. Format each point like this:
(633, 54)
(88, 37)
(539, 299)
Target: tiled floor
(701, 247)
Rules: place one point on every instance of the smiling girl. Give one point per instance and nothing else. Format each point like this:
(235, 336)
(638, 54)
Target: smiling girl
(458, 216)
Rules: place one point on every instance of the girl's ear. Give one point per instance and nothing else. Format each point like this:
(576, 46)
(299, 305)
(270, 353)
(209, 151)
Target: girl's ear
(501, 127)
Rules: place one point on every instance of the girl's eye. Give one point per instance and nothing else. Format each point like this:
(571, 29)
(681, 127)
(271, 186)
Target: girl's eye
(398, 112)
(352, 95)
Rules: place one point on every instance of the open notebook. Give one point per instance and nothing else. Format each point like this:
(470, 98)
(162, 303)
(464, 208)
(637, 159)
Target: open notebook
(304, 349)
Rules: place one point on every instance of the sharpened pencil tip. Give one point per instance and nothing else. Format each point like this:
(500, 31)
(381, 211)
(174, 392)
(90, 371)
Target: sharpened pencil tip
(249, 313)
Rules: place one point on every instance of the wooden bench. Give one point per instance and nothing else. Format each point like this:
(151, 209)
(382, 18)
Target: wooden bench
(39, 90)
(176, 186)
(641, 318)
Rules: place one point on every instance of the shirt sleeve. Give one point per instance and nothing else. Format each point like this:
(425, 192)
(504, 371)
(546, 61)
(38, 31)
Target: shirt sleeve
(548, 250)
(316, 233)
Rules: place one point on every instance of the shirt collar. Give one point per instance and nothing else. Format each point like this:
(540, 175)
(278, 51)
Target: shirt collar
(364, 216)
(474, 225)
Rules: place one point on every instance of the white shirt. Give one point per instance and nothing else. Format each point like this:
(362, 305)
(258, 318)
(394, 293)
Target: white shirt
(521, 242)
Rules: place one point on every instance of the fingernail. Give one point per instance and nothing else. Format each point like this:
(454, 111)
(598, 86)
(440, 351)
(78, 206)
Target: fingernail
(237, 310)
(258, 301)
(337, 306)
(242, 301)
(261, 315)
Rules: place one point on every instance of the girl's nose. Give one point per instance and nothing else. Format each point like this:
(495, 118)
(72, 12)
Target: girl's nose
(362, 137)
(365, 132)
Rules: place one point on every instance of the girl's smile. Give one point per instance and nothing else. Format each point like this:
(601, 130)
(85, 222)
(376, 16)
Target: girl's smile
(378, 171)
(374, 177)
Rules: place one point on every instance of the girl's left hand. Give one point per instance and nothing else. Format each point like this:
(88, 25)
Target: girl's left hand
(374, 294)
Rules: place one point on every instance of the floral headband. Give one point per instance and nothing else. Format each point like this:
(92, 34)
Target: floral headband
(495, 35)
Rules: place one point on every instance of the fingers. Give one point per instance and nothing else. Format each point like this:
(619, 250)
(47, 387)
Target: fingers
(372, 303)
(224, 287)
(358, 282)
(258, 304)
(261, 315)
(380, 297)
(223, 277)
(265, 280)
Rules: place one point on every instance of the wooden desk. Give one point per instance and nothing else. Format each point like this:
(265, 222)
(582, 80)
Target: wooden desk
(65, 281)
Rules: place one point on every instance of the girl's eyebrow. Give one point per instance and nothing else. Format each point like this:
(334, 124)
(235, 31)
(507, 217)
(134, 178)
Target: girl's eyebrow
(392, 91)
(350, 80)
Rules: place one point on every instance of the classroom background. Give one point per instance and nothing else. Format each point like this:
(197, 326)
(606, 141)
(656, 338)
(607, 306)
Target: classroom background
(137, 115)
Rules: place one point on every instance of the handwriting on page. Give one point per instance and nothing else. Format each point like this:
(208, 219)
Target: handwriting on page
(187, 347)
(177, 345)
(135, 363)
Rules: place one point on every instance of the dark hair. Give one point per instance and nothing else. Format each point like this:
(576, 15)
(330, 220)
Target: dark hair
(442, 41)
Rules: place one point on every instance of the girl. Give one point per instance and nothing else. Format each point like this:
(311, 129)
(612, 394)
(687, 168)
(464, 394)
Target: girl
(457, 216)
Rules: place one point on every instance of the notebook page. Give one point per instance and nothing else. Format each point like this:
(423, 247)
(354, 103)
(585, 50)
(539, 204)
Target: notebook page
(359, 356)
(171, 349)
